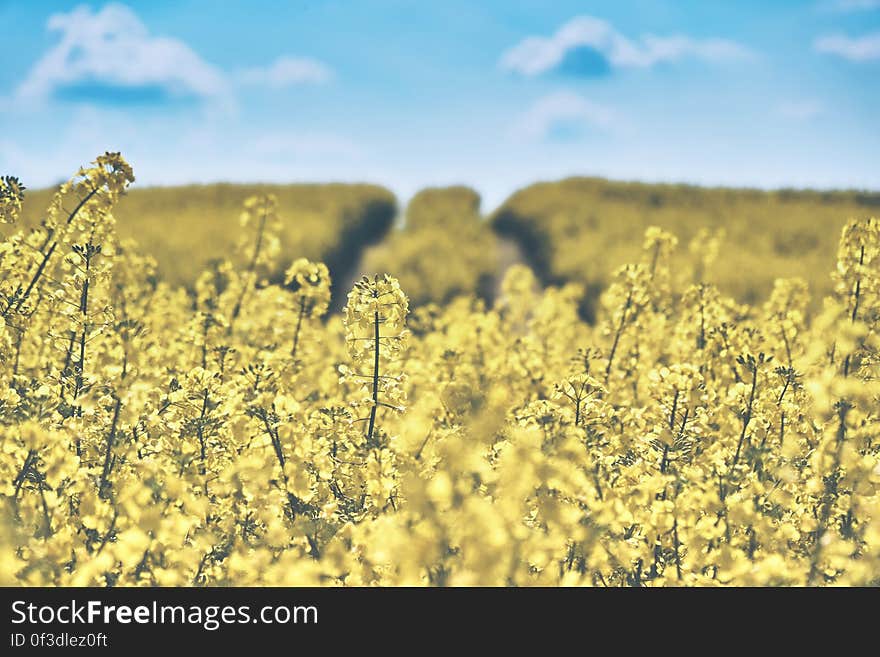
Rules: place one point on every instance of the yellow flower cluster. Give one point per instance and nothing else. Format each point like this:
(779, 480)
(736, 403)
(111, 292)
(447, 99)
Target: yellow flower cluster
(310, 282)
(11, 197)
(236, 435)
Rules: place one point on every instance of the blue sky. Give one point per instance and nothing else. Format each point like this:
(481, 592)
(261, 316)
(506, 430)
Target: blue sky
(493, 94)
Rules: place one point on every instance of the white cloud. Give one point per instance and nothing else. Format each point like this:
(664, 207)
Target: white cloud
(113, 47)
(287, 71)
(855, 49)
(535, 54)
(562, 108)
(800, 110)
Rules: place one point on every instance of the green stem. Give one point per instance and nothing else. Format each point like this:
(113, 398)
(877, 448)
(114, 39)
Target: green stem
(617, 334)
(747, 418)
(299, 319)
(375, 377)
(251, 267)
(104, 486)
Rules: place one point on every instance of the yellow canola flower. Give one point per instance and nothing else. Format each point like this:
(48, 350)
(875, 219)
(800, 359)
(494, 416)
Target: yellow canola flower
(235, 434)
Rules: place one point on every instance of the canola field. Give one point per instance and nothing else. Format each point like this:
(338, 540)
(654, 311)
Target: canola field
(234, 431)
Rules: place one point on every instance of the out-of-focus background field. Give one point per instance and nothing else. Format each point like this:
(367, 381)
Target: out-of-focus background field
(582, 228)
(187, 227)
(440, 245)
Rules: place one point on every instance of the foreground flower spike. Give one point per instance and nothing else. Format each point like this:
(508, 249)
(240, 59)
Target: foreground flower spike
(80, 211)
(258, 246)
(375, 331)
(310, 284)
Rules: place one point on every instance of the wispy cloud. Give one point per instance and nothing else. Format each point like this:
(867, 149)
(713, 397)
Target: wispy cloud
(563, 110)
(305, 145)
(800, 110)
(535, 55)
(188, 151)
(112, 48)
(87, 131)
(287, 71)
(855, 49)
